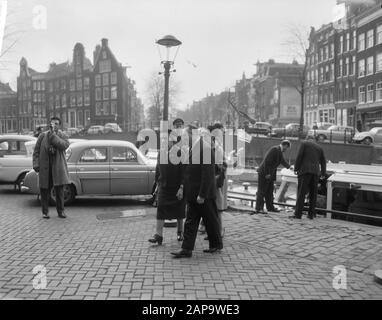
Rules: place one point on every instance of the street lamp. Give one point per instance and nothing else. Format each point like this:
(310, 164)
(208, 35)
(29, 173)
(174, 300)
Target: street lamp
(168, 42)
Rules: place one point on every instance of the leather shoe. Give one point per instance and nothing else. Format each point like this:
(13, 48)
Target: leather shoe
(257, 212)
(310, 216)
(212, 250)
(294, 217)
(45, 216)
(182, 254)
(156, 239)
(62, 215)
(274, 210)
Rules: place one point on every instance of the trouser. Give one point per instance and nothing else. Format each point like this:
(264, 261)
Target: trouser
(265, 189)
(45, 196)
(208, 212)
(307, 182)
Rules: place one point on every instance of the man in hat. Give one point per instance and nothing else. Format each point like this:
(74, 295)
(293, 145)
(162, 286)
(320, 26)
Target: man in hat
(178, 123)
(267, 176)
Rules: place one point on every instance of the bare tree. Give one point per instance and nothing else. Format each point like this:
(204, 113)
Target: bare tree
(155, 96)
(297, 43)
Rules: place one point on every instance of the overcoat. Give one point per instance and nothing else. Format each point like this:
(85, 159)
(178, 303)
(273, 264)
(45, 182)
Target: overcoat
(41, 159)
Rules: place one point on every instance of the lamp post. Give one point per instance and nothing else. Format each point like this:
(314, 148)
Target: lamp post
(167, 42)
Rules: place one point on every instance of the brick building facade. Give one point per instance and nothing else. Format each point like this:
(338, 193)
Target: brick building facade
(8, 109)
(81, 93)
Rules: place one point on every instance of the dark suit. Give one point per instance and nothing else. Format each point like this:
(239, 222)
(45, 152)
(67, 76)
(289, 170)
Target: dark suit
(310, 163)
(200, 181)
(273, 158)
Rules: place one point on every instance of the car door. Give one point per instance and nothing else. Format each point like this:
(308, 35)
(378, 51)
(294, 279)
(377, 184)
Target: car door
(127, 175)
(93, 170)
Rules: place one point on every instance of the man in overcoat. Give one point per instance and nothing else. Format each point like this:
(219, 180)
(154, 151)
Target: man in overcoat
(310, 163)
(49, 161)
(267, 176)
(200, 192)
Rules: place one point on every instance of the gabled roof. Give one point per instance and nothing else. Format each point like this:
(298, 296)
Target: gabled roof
(6, 90)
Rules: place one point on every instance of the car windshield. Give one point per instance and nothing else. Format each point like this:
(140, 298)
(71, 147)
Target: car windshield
(334, 128)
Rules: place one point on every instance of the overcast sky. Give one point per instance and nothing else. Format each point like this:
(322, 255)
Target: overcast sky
(223, 38)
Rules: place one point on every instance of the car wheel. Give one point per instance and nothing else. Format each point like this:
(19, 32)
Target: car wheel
(368, 141)
(20, 181)
(69, 195)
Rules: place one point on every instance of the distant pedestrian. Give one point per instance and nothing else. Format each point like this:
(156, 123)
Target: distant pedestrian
(267, 176)
(200, 196)
(310, 162)
(50, 162)
(315, 126)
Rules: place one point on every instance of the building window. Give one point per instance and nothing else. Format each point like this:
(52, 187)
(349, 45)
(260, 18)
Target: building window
(362, 95)
(63, 100)
(354, 41)
(379, 62)
(370, 65)
(114, 94)
(352, 66)
(57, 85)
(105, 79)
(340, 68)
(105, 66)
(51, 103)
(113, 78)
(43, 85)
(72, 85)
(79, 99)
(98, 108)
(341, 44)
(361, 42)
(370, 92)
(50, 86)
(106, 93)
(379, 91)
(87, 98)
(86, 83)
(346, 70)
(361, 68)
(98, 80)
(104, 54)
(98, 94)
(79, 84)
(379, 34)
(106, 108)
(114, 107)
(72, 100)
(57, 100)
(370, 38)
(63, 84)
(348, 41)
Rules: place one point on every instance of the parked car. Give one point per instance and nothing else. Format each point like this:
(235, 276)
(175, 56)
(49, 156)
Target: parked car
(102, 167)
(15, 159)
(323, 125)
(263, 128)
(112, 127)
(369, 137)
(290, 130)
(334, 133)
(96, 130)
(71, 131)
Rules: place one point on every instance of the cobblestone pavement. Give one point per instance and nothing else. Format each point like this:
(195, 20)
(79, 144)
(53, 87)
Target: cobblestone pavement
(97, 254)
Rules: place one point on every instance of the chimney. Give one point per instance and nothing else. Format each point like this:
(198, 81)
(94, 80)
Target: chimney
(105, 42)
(95, 53)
